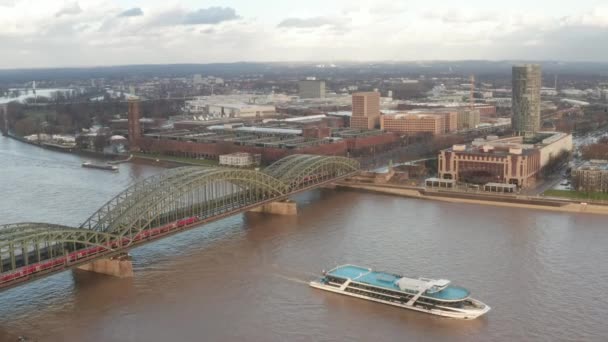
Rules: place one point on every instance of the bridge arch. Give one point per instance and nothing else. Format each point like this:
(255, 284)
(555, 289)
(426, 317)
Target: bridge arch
(26, 243)
(184, 192)
(300, 171)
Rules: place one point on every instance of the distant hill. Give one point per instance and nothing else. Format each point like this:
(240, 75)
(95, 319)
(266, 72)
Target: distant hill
(298, 70)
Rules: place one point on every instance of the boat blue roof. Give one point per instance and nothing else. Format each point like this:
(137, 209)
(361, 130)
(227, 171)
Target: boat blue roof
(389, 281)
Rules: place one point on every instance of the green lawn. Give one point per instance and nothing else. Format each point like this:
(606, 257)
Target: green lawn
(601, 196)
(202, 162)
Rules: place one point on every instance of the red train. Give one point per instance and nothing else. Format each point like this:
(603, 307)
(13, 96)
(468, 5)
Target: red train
(92, 251)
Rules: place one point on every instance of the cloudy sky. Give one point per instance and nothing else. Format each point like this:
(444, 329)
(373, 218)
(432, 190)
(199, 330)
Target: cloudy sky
(50, 33)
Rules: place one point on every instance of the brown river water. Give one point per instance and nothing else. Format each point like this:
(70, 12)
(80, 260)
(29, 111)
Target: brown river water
(245, 278)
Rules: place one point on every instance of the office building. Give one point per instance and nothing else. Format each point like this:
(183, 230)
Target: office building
(526, 99)
(366, 110)
(592, 176)
(435, 122)
(413, 124)
(468, 118)
(502, 161)
(311, 89)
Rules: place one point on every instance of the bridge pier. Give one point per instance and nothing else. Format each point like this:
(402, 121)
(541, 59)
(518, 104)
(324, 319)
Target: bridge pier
(117, 266)
(287, 208)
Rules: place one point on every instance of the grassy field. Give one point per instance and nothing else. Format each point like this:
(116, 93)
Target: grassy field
(599, 196)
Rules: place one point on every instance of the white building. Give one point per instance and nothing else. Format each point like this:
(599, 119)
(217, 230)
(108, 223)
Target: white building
(233, 106)
(240, 111)
(552, 146)
(239, 159)
(548, 91)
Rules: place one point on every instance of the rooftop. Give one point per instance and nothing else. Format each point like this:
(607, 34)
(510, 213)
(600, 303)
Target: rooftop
(596, 165)
(399, 283)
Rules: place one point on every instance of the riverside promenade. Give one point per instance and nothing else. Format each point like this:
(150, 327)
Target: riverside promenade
(479, 198)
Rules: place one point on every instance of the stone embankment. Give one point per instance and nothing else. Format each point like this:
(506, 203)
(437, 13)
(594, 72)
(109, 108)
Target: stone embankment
(527, 202)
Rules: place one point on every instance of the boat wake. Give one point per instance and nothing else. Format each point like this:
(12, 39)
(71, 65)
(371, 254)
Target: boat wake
(292, 279)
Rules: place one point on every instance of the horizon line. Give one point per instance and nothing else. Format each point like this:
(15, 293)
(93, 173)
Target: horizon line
(508, 60)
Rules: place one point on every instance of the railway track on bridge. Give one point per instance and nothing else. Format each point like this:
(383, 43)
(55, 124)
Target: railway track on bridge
(159, 206)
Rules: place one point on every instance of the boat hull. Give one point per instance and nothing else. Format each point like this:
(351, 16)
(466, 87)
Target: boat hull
(457, 313)
(100, 167)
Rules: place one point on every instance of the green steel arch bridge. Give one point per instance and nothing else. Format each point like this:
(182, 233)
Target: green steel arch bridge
(168, 203)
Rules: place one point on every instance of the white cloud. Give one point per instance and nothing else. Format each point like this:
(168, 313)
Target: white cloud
(70, 9)
(95, 32)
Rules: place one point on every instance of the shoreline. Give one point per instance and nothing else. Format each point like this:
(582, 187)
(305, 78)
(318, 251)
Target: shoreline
(158, 161)
(548, 204)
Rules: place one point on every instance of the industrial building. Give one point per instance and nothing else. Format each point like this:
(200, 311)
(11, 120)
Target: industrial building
(311, 89)
(526, 99)
(271, 139)
(510, 160)
(270, 143)
(366, 110)
(592, 176)
(232, 106)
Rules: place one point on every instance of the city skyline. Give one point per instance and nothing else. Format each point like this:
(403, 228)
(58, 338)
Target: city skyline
(110, 32)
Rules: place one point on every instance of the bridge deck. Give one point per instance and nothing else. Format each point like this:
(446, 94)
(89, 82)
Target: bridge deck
(29, 252)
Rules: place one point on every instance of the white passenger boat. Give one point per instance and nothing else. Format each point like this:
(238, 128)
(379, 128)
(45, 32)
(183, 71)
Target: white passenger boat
(437, 297)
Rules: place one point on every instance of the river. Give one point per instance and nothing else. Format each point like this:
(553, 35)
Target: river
(245, 277)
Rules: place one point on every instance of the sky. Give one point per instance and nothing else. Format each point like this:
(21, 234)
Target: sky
(69, 33)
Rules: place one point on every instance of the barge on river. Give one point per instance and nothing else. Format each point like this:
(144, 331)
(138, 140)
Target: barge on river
(437, 297)
(100, 166)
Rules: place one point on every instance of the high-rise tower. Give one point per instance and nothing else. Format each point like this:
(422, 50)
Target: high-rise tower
(366, 110)
(134, 125)
(526, 99)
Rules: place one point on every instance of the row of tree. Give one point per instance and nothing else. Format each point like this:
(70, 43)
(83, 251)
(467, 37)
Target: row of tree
(72, 117)
(598, 150)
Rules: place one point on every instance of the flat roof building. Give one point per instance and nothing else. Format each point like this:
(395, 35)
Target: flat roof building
(366, 110)
(468, 118)
(413, 123)
(240, 159)
(436, 122)
(508, 160)
(592, 176)
(311, 89)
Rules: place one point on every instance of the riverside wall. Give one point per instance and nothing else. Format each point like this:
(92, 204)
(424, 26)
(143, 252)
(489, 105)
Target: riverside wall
(469, 198)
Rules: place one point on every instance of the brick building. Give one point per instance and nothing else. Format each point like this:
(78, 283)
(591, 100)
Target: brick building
(419, 122)
(270, 146)
(510, 160)
(366, 110)
(413, 124)
(488, 164)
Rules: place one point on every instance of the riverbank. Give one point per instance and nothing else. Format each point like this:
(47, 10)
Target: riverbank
(536, 203)
(67, 149)
(170, 161)
(137, 158)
